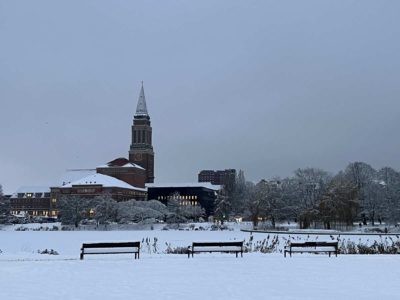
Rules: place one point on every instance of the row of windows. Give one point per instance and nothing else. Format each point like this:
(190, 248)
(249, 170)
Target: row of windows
(30, 195)
(86, 191)
(33, 201)
(177, 197)
(41, 213)
(185, 203)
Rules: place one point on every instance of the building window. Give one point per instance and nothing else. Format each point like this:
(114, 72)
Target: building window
(28, 195)
(54, 200)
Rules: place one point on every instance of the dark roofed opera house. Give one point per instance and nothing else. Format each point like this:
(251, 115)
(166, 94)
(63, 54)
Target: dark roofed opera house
(203, 194)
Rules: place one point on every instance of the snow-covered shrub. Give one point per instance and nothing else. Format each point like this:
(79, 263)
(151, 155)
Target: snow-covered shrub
(49, 252)
(138, 211)
(383, 246)
(175, 250)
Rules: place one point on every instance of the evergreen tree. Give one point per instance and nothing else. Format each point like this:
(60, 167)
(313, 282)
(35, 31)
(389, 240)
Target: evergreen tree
(223, 206)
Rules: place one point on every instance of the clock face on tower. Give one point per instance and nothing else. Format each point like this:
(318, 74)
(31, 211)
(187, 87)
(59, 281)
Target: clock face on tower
(138, 156)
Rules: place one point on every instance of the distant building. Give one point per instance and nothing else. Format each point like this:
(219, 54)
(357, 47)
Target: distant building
(33, 201)
(219, 177)
(202, 194)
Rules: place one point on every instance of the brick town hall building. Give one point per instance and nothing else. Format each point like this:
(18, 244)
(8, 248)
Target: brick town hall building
(121, 178)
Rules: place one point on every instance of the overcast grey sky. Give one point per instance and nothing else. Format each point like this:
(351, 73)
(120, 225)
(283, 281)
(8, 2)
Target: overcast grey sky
(264, 86)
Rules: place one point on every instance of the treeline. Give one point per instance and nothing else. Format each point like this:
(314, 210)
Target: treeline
(73, 210)
(359, 193)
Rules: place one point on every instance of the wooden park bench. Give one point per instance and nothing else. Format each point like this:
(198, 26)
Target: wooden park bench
(111, 248)
(312, 247)
(223, 247)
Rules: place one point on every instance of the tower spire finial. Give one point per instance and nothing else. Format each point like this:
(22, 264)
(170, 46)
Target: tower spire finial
(141, 108)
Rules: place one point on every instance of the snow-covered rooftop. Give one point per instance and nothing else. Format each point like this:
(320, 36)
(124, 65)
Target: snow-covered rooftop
(73, 175)
(31, 189)
(120, 163)
(103, 180)
(128, 165)
(185, 184)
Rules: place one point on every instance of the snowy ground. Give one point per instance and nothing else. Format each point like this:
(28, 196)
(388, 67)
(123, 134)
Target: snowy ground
(205, 276)
(25, 274)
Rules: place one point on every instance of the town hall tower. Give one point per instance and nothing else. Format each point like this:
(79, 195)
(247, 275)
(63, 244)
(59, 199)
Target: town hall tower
(141, 150)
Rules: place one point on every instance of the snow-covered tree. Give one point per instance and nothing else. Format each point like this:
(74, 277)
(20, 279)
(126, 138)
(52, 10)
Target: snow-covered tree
(5, 204)
(72, 209)
(105, 209)
(192, 212)
(311, 183)
(238, 197)
(223, 206)
(389, 181)
(138, 211)
(364, 177)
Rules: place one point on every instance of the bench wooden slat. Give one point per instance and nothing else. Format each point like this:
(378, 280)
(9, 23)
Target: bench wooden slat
(109, 245)
(314, 245)
(217, 244)
(223, 247)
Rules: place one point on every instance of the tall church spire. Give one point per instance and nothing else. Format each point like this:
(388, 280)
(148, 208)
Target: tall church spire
(141, 108)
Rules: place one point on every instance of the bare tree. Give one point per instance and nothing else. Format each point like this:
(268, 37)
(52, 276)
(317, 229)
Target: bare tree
(363, 176)
(339, 202)
(389, 181)
(311, 183)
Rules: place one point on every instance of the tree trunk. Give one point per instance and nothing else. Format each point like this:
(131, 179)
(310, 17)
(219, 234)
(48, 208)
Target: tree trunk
(255, 221)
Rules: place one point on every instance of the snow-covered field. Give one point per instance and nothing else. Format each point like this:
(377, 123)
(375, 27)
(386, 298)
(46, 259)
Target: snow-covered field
(25, 274)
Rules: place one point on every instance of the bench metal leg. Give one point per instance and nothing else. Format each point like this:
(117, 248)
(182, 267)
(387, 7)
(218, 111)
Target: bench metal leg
(81, 256)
